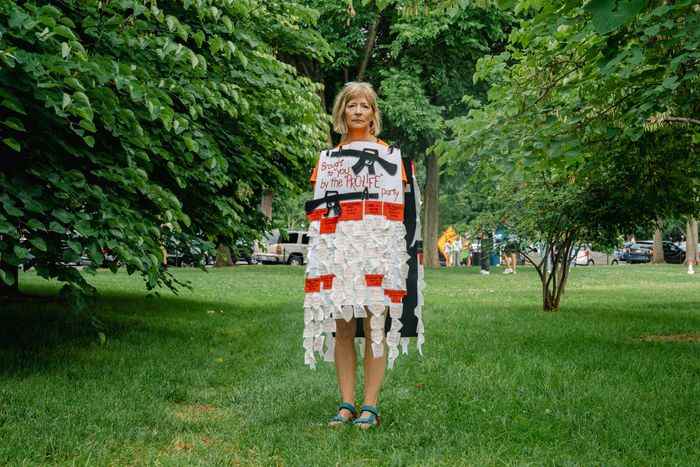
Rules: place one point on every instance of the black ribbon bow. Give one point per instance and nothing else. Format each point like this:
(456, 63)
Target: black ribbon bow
(366, 158)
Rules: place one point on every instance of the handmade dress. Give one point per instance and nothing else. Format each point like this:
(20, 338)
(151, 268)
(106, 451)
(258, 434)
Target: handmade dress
(365, 253)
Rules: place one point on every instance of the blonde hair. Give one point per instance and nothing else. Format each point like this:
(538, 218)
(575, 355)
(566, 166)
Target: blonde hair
(350, 91)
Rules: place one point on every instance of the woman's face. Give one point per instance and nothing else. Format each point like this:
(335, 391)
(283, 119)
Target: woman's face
(358, 113)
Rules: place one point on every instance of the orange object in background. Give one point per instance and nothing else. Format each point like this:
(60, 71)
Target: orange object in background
(447, 236)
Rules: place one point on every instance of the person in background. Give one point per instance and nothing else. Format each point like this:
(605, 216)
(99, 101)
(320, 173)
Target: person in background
(509, 250)
(510, 255)
(456, 251)
(467, 251)
(485, 257)
(447, 252)
(165, 229)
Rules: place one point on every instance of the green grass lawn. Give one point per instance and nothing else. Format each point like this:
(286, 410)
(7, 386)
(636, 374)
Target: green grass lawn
(216, 375)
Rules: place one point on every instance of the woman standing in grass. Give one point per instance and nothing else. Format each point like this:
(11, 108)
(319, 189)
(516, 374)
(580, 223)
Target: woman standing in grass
(363, 274)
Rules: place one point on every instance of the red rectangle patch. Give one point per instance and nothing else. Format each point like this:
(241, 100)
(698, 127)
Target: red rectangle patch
(312, 284)
(327, 281)
(351, 211)
(374, 280)
(316, 214)
(373, 208)
(395, 295)
(328, 225)
(393, 211)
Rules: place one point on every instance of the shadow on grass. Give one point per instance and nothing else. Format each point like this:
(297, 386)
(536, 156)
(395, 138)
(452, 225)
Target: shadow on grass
(33, 336)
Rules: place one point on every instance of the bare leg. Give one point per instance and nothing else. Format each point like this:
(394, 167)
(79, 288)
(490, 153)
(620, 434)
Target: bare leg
(513, 261)
(345, 361)
(374, 369)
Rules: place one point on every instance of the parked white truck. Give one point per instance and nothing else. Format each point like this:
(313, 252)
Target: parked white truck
(290, 248)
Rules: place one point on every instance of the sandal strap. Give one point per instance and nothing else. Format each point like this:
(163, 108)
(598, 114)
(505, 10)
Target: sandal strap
(369, 420)
(339, 418)
(371, 409)
(347, 406)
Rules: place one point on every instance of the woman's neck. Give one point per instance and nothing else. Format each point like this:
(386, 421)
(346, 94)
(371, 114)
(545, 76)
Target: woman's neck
(357, 134)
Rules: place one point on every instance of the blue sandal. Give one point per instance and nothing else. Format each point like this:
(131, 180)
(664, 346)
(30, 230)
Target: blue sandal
(371, 421)
(339, 419)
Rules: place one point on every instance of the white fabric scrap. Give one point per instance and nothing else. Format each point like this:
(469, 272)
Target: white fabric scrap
(329, 356)
(348, 312)
(404, 345)
(377, 349)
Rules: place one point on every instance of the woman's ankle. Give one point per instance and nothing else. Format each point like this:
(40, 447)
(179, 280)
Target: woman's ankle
(370, 402)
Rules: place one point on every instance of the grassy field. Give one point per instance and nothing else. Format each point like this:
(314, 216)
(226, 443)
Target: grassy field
(216, 376)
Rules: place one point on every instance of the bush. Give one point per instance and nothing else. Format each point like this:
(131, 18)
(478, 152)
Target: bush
(119, 117)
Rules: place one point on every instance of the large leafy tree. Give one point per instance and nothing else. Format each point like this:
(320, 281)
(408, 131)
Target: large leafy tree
(125, 121)
(421, 56)
(434, 52)
(590, 128)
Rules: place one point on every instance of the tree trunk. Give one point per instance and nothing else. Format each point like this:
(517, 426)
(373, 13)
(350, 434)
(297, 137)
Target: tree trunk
(266, 203)
(223, 256)
(11, 273)
(691, 244)
(369, 46)
(658, 247)
(694, 225)
(555, 277)
(432, 212)
(486, 247)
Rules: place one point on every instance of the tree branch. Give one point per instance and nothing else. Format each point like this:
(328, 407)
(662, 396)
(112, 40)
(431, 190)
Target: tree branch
(369, 45)
(569, 243)
(653, 120)
(557, 80)
(538, 267)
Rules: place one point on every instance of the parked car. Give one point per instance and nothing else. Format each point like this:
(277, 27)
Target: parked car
(290, 248)
(672, 252)
(186, 254)
(637, 252)
(642, 251)
(243, 250)
(584, 256)
(617, 257)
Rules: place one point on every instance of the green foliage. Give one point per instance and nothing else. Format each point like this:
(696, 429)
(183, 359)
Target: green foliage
(609, 15)
(588, 130)
(421, 64)
(288, 211)
(429, 47)
(414, 121)
(441, 48)
(434, 56)
(344, 25)
(120, 117)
